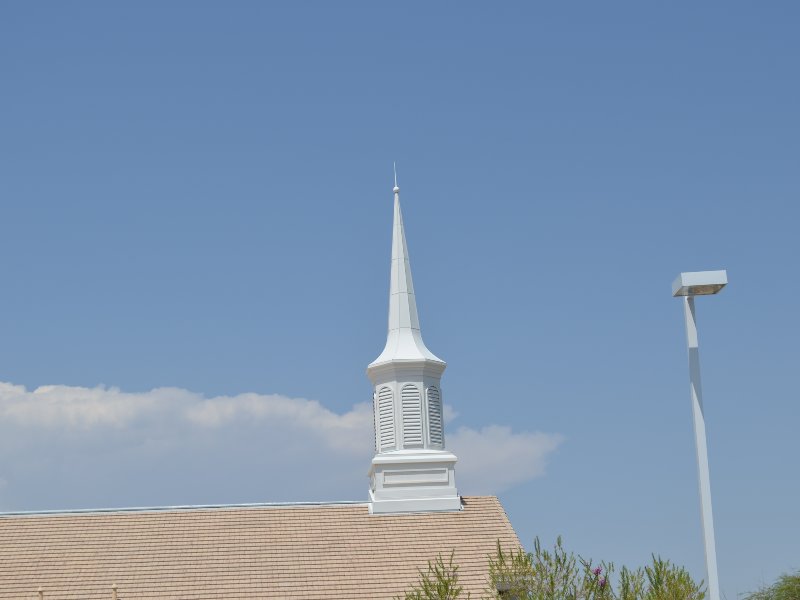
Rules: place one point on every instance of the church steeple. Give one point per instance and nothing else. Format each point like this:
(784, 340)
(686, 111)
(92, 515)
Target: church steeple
(411, 470)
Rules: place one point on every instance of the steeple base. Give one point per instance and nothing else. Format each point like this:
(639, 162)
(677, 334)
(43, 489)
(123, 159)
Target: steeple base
(413, 481)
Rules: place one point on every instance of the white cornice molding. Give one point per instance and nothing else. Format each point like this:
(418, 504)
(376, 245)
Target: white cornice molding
(426, 368)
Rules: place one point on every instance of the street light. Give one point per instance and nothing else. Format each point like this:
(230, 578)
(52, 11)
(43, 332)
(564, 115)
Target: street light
(689, 285)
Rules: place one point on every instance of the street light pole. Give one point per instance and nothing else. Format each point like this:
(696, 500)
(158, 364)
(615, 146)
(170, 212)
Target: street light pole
(690, 285)
(699, 419)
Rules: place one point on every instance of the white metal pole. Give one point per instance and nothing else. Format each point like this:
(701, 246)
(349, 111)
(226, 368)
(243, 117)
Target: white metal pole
(702, 449)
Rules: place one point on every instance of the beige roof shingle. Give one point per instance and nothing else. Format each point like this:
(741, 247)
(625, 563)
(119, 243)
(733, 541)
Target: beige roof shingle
(325, 551)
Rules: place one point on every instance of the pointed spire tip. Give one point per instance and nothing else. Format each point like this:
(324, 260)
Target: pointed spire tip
(396, 188)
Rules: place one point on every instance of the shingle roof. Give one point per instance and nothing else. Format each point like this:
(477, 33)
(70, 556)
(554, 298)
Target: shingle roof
(326, 551)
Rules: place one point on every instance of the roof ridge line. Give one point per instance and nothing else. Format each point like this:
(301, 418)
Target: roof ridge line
(179, 507)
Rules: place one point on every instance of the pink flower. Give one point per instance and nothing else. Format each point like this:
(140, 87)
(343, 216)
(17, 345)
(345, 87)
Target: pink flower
(597, 571)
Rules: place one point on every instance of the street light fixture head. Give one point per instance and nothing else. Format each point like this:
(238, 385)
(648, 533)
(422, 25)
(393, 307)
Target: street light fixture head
(699, 283)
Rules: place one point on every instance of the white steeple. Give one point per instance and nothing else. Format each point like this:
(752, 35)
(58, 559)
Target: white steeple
(411, 470)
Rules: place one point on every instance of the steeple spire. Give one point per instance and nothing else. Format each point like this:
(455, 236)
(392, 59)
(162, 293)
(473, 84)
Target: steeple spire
(404, 339)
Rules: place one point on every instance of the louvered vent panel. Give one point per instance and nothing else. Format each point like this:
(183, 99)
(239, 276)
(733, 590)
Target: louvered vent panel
(412, 417)
(375, 418)
(385, 419)
(436, 431)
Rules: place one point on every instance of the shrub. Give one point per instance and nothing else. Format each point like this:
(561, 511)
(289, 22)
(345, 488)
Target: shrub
(545, 575)
(787, 587)
(561, 575)
(439, 582)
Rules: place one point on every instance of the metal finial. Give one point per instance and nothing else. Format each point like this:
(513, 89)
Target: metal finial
(396, 189)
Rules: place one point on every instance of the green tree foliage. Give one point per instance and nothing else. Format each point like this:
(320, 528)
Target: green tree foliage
(669, 582)
(548, 575)
(439, 582)
(787, 587)
(561, 575)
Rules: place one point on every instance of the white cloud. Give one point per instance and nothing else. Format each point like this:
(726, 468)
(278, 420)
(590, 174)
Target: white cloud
(343, 432)
(495, 458)
(74, 446)
(61, 406)
(67, 406)
(450, 414)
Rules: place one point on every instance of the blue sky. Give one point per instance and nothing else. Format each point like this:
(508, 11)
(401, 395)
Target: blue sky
(197, 197)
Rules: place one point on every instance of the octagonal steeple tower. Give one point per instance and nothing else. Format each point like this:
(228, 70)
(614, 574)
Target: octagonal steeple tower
(411, 471)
